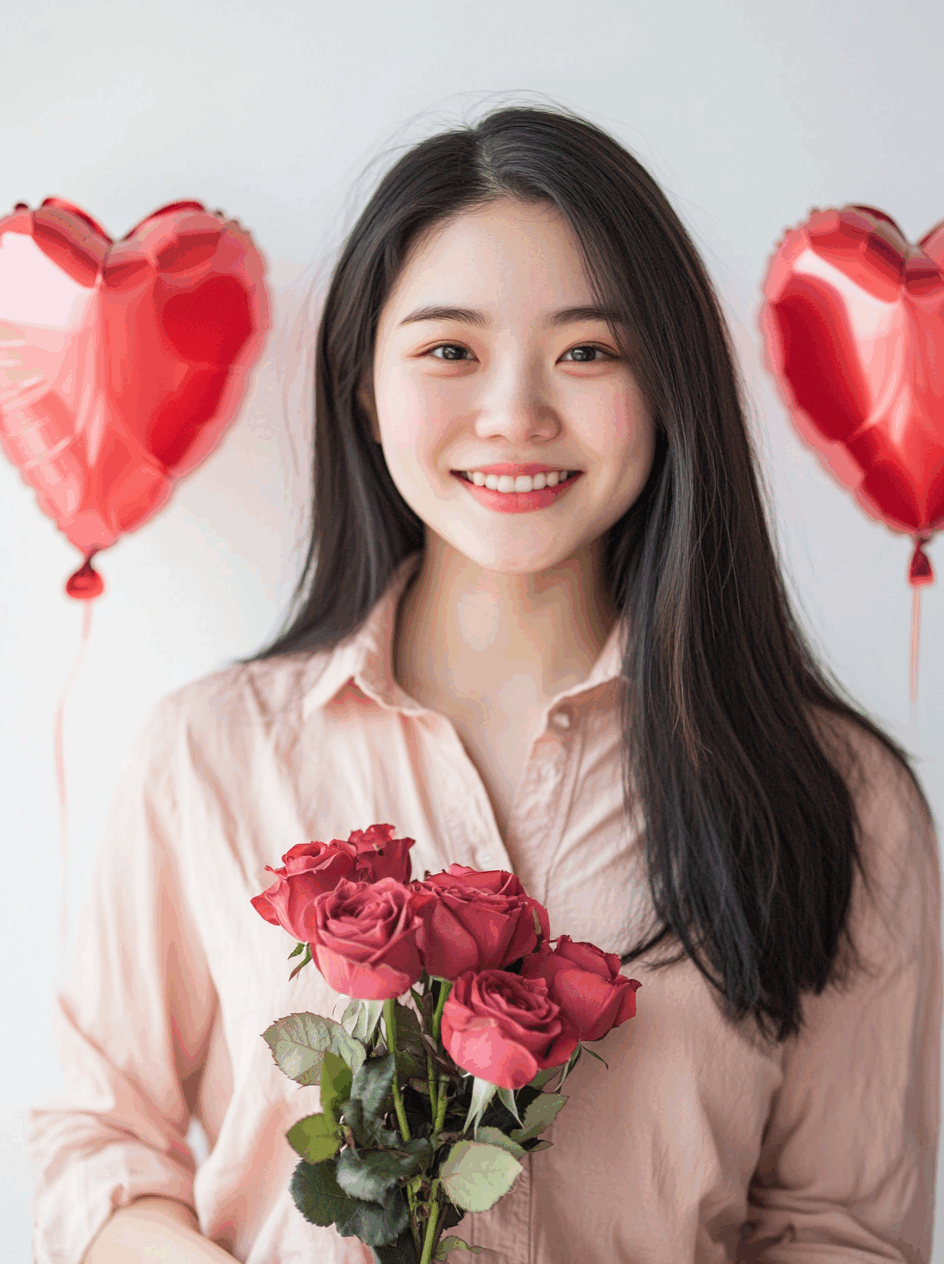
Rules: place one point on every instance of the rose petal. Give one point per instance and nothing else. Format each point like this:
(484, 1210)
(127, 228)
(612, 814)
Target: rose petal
(588, 957)
(448, 948)
(262, 906)
(483, 1049)
(365, 982)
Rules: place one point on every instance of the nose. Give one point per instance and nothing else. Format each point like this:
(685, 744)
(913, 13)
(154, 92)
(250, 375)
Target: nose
(515, 410)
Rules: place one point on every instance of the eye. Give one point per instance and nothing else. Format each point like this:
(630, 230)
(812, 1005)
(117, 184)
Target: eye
(588, 346)
(452, 346)
(584, 346)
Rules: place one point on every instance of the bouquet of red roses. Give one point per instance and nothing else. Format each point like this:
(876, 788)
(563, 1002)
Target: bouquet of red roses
(428, 1115)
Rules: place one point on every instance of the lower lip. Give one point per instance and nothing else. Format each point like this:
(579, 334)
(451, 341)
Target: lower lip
(518, 502)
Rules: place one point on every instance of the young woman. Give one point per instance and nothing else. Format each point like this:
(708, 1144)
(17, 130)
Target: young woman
(542, 627)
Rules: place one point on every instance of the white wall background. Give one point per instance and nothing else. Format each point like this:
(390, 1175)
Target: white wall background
(748, 114)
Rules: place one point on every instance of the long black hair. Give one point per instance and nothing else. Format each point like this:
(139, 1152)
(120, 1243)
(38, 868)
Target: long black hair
(751, 834)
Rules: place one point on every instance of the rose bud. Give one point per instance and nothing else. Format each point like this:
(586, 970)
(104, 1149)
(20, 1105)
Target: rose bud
(309, 870)
(586, 983)
(475, 920)
(381, 853)
(363, 939)
(504, 1028)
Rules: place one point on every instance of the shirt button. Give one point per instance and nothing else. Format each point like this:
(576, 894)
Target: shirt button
(486, 857)
(562, 718)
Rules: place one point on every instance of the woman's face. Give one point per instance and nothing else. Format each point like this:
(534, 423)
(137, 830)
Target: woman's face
(512, 387)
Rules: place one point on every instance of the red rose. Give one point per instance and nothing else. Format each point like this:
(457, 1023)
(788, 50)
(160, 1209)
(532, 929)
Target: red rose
(309, 870)
(586, 983)
(386, 856)
(475, 921)
(363, 939)
(504, 1028)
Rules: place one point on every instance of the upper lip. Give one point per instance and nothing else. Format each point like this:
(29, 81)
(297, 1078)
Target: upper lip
(505, 467)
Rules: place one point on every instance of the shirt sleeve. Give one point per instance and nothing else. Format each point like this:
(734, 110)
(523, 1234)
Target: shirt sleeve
(131, 1023)
(848, 1161)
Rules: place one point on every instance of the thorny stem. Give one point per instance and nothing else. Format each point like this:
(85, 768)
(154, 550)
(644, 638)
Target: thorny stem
(431, 1077)
(445, 988)
(441, 1105)
(432, 1225)
(390, 1023)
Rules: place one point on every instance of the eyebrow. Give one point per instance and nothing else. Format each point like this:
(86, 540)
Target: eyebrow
(471, 316)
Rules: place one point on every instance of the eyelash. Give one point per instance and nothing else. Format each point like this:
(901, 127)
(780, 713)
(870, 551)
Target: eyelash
(577, 347)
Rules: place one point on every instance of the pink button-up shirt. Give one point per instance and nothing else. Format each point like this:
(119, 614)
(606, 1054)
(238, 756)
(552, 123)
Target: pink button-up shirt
(696, 1145)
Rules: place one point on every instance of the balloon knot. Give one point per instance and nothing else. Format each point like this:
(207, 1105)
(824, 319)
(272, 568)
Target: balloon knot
(86, 583)
(920, 571)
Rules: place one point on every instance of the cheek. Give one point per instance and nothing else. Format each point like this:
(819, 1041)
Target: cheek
(630, 438)
(412, 419)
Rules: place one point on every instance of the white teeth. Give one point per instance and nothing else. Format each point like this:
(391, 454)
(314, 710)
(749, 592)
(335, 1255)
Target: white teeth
(520, 483)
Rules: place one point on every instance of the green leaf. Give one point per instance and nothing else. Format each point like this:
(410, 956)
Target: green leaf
(475, 1176)
(304, 961)
(534, 1146)
(507, 1097)
(372, 1084)
(369, 1132)
(369, 1174)
(352, 1112)
(452, 1243)
(495, 1136)
(574, 1059)
(402, 1251)
(336, 1080)
(298, 1043)
(318, 1196)
(360, 1019)
(587, 1049)
(451, 1216)
(543, 1077)
(482, 1093)
(539, 1115)
(315, 1138)
(296, 950)
(411, 1052)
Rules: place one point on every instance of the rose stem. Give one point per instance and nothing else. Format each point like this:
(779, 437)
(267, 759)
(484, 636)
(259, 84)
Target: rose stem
(445, 987)
(432, 1224)
(390, 1023)
(431, 1077)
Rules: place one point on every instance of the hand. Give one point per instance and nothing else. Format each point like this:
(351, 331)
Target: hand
(152, 1225)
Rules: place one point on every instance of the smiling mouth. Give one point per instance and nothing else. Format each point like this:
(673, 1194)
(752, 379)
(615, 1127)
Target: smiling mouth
(561, 477)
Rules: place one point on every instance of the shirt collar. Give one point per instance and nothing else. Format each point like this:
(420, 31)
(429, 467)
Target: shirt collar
(366, 656)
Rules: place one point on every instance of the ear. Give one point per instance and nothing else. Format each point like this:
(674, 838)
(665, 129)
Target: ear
(365, 397)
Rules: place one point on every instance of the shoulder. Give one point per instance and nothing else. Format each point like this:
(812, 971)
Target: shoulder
(235, 704)
(897, 838)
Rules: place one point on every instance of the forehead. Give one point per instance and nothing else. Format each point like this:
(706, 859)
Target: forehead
(531, 246)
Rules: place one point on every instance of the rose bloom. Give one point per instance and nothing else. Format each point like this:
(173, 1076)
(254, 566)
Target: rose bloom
(311, 869)
(384, 855)
(363, 939)
(474, 920)
(504, 1028)
(586, 983)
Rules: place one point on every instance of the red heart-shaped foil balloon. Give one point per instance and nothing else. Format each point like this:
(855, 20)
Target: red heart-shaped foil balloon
(121, 363)
(854, 335)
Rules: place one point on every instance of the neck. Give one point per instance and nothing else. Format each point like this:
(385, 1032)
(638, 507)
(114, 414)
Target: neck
(475, 635)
